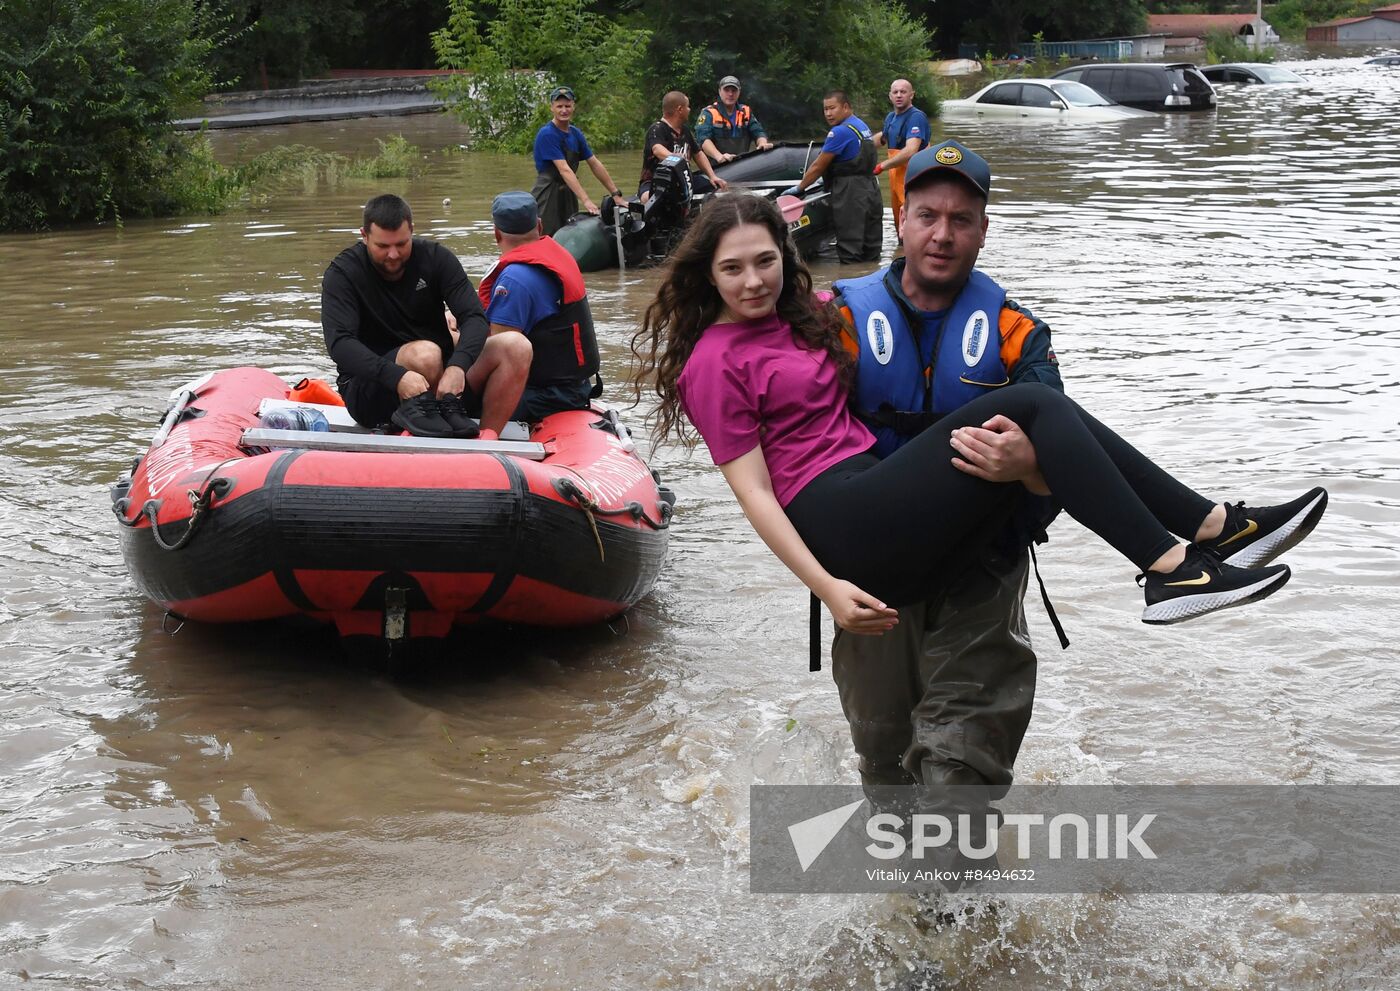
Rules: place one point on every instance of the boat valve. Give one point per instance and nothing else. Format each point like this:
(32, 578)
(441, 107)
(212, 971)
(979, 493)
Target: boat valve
(395, 613)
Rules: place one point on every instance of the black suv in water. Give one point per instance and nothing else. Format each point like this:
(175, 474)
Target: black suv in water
(1147, 85)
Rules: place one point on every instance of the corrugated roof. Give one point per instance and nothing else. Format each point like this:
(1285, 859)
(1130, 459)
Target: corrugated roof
(1344, 20)
(1197, 25)
(1392, 9)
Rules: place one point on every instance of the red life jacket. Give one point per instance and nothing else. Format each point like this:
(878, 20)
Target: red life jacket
(566, 348)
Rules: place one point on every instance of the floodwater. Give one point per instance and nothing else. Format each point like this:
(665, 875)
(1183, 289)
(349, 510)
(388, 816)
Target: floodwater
(235, 809)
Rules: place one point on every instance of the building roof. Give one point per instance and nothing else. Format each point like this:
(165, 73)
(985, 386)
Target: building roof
(1197, 25)
(1344, 20)
(1392, 9)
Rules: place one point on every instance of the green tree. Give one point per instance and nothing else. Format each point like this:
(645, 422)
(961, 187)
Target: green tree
(788, 58)
(284, 42)
(281, 43)
(509, 64)
(1291, 18)
(87, 89)
(1002, 25)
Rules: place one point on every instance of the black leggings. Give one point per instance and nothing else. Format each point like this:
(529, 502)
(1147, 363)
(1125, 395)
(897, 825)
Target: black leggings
(899, 528)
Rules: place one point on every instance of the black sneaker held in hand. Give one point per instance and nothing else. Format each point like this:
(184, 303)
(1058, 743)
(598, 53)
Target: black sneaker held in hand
(1202, 584)
(1254, 537)
(422, 417)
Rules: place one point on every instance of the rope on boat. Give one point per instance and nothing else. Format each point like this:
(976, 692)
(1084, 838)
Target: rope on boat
(201, 501)
(589, 506)
(570, 489)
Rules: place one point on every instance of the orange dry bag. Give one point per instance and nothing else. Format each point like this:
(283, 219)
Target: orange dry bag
(314, 391)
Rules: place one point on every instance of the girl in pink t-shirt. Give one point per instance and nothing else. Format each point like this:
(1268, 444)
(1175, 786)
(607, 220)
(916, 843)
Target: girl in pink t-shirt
(737, 342)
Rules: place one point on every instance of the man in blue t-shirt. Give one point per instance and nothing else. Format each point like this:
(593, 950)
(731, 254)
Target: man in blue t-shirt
(559, 148)
(846, 163)
(536, 289)
(905, 132)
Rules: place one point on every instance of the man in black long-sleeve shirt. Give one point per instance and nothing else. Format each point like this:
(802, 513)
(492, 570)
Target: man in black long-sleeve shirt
(382, 311)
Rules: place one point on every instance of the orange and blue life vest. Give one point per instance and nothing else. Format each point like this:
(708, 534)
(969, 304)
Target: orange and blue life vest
(911, 371)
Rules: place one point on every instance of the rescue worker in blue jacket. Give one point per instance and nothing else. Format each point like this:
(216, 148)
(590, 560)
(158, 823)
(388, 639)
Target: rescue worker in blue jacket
(846, 162)
(945, 697)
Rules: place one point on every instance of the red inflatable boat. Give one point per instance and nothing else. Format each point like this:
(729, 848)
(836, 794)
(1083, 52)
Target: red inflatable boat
(392, 537)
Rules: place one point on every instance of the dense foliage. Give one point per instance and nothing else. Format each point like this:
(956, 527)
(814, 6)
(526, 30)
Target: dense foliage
(788, 57)
(620, 66)
(86, 91)
(1000, 25)
(527, 47)
(279, 43)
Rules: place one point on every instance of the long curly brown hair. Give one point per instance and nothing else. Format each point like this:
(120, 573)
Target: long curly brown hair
(687, 303)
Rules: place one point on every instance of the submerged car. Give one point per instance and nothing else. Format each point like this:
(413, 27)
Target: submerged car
(1384, 60)
(1250, 74)
(1057, 99)
(1147, 85)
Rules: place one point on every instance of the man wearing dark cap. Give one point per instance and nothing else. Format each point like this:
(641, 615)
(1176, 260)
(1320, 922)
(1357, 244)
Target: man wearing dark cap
(728, 128)
(945, 697)
(846, 164)
(385, 303)
(537, 290)
(559, 148)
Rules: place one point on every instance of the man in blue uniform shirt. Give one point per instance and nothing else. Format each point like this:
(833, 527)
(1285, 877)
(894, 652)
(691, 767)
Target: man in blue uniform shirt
(559, 148)
(905, 132)
(536, 289)
(846, 163)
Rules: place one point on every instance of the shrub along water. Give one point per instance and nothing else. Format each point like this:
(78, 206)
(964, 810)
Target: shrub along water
(86, 92)
(1226, 46)
(204, 185)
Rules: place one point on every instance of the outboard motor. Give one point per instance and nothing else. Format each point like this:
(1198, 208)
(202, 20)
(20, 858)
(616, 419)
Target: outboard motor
(669, 206)
(634, 228)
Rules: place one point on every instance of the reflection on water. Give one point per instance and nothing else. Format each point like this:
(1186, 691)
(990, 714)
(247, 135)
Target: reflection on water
(237, 809)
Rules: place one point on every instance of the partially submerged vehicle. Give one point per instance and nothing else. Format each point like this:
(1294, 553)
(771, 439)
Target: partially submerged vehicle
(1040, 99)
(1251, 74)
(1159, 86)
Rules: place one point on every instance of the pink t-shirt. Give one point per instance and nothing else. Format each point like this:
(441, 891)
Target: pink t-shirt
(751, 384)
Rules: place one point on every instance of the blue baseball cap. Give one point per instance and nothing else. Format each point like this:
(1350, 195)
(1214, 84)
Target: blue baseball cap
(951, 156)
(515, 212)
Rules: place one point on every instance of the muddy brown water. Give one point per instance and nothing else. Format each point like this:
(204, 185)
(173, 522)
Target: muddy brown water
(232, 808)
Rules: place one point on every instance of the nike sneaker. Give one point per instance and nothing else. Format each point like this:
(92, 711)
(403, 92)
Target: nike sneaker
(1254, 537)
(1204, 584)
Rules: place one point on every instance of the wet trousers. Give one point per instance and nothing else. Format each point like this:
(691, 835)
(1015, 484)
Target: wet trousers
(896, 175)
(945, 697)
(901, 528)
